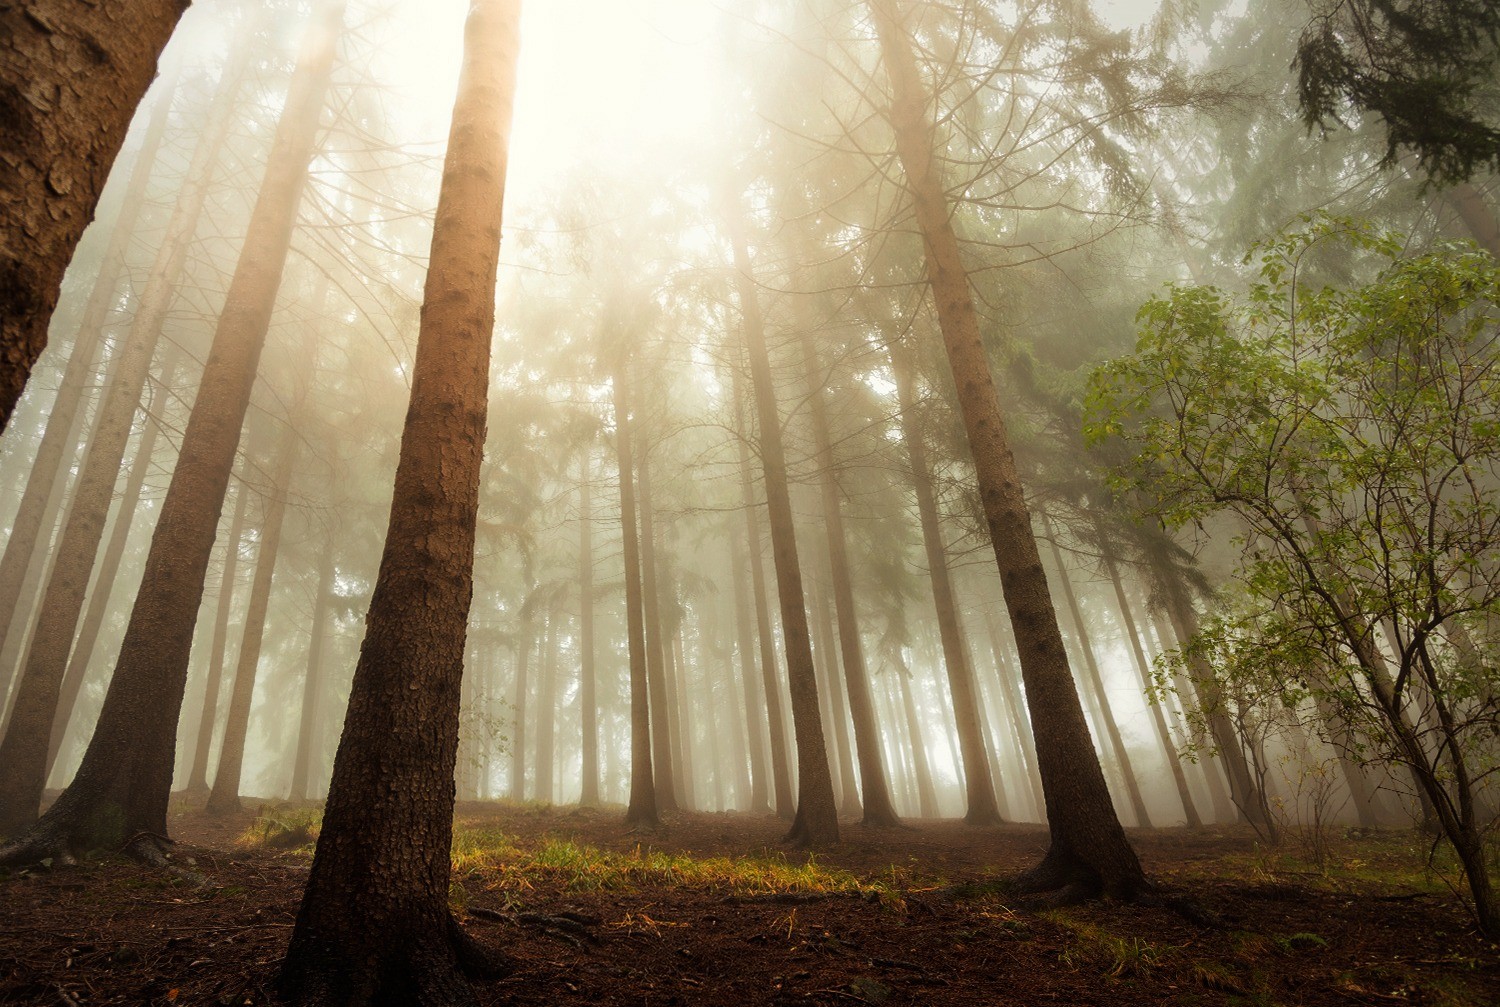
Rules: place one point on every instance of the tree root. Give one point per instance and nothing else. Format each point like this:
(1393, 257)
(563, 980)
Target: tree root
(567, 927)
(149, 848)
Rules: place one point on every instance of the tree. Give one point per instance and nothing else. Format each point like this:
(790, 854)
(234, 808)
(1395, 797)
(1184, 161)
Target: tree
(374, 925)
(1428, 70)
(1088, 850)
(71, 76)
(1354, 432)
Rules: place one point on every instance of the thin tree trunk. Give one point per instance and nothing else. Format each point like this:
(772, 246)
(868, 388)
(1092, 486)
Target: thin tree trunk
(1020, 722)
(109, 568)
(128, 764)
(662, 760)
(587, 701)
(518, 724)
(830, 684)
(675, 676)
(225, 796)
(312, 678)
(754, 707)
(546, 708)
(1210, 767)
(71, 76)
(979, 784)
(641, 812)
(375, 924)
(816, 821)
(1089, 850)
(29, 529)
(875, 796)
(926, 793)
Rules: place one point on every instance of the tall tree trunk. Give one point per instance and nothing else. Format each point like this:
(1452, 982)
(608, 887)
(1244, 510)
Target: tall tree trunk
(662, 755)
(675, 676)
(816, 821)
(225, 797)
(312, 678)
(29, 529)
(1211, 768)
(641, 812)
(926, 793)
(754, 706)
(71, 76)
(875, 796)
(979, 784)
(518, 724)
(23, 754)
(1020, 721)
(109, 568)
(1153, 702)
(546, 708)
(587, 700)
(128, 765)
(831, 691)
(781, 776)
(1096, 683)
(1088, 850)
(219, 645)
(374, 925)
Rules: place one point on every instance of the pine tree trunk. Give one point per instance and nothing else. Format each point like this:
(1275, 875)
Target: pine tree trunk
(23, 754)
(546, 709)
(374, 925)
(219, 646)
(1153, 703)
(312, 678)
(781, 777)
(28, 529)
(1096, 683)
(816, 820)
(641, 811)
(109, 568)
(831, 692)
(1020, 722)
(875, 796)
(663, 761)
(71, 76)
(518, 723)
(979, 784)
(1089, 850)
(1210, 767)
(128, 765)
(754, 707)
(926, 793)
(225, 796)
(587, 701)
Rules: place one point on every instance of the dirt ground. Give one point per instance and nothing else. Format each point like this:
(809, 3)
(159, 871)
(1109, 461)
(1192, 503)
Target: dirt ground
(1369, 927)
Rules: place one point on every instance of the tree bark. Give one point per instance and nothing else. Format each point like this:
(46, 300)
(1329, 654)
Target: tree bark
(128, 765)
(587, 702)
(979, 784)
(29, 529)
(71, 76)
(831, 693)
(641, 812)
(663, 761)
(374, 925)
(23, 754)
(546, 708)
(518, 724)
(754, 706)
(312, 678)
(816, 820)
(1088, 850)
(926, 794)
(225, 797)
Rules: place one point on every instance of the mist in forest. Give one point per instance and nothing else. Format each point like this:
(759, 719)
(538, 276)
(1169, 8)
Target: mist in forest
(1029, 412)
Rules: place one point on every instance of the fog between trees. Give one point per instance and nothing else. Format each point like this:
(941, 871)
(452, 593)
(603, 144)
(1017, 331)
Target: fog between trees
(794, 301)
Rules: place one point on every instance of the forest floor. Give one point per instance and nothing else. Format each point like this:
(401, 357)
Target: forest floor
(711, 911)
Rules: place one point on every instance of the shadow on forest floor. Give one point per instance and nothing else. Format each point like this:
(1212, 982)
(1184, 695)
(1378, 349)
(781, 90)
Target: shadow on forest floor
(712, 911)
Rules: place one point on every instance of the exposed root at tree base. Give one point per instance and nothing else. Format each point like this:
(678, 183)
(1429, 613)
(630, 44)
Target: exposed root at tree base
(150, 849)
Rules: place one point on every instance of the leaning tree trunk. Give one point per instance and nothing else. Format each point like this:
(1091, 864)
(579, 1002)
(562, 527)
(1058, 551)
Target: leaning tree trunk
(979, 785)
(374, 925)
(1088, 850)
(71, 76)
(816, 822)
(23, 753)
(208, 715)
(29, 529)
(875, 794)
(781, 777)
(587, 702)
(312, 678)
(225, 796)
(641, 811)
(122, 787)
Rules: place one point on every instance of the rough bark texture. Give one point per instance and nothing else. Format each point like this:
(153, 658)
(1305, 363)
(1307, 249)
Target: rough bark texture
(312, 677)
(28, 530)
(875, 795)
(979, 784)
(1088, 850)
(23, 753)
(71, 76)
(588, 704)
(816, 821)
(225, 797)
(641, 811)
(123, 784)
(374, 925)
